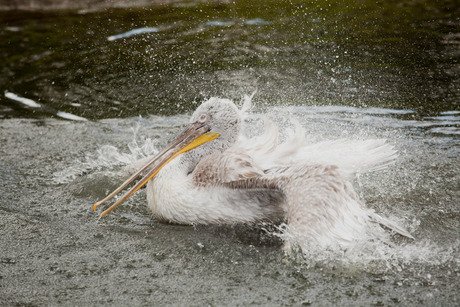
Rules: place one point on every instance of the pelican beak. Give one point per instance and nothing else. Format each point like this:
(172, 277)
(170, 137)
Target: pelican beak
(195, 135)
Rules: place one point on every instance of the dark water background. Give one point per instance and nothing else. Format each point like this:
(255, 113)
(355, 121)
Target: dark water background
(343, 69)
(360, 53)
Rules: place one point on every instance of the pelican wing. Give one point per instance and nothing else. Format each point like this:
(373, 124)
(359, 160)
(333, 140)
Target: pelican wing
(222, 168)
(350, 156)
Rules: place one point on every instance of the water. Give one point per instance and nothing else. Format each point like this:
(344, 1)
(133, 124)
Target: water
(391, 55)
(77, 106)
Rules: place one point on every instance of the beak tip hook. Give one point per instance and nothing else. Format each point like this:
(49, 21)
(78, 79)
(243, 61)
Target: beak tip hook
(96, 205)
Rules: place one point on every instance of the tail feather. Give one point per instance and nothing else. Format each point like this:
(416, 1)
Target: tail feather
(390, 225)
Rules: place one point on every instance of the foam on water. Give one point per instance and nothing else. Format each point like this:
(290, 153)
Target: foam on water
(219, 23)
(449, 112)
(257, 22)
(70, 116)
(132, 33)
(25, 101)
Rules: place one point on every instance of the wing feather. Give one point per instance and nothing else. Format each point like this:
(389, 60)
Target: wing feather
(221, 168)
(350, 156)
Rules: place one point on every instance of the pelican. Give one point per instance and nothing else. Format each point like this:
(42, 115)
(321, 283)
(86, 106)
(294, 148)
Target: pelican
(211, 174)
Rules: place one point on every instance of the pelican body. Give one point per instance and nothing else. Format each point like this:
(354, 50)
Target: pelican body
(211, 174)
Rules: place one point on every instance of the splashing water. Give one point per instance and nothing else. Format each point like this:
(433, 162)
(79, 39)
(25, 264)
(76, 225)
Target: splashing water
(373, 255)
(108, 157)
(387, 192)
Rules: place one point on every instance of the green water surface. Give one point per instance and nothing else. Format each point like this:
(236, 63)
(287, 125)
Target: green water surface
(393, 54)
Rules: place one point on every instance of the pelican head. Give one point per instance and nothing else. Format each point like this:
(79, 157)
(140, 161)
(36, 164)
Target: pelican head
(222, 117)
(217, 120)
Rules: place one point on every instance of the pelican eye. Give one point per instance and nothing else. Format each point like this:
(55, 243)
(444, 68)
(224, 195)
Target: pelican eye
(202, 118)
